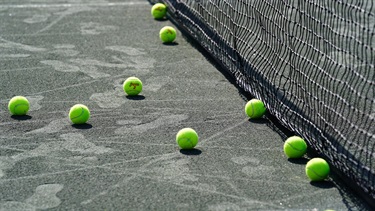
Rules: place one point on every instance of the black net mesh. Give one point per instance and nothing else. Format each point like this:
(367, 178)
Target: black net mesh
(310, 61)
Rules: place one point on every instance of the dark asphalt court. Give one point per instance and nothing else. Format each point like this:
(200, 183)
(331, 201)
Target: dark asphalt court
(59, 53)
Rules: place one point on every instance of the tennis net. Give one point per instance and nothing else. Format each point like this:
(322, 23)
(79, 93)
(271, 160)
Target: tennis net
(311, 62)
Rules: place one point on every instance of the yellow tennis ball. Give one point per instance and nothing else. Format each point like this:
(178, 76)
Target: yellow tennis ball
(295, 147)
(19, 105)
(167, 34)
(187, 138)
(132, 86)
(79, 114)
(317, 169)
(255, 108)
(159, 10)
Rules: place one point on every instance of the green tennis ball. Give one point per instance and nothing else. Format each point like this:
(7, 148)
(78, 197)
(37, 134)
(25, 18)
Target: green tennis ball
(79, 114)
(132, 86)
(159, 10)
(187, 138)
(167, 34)
(255, 108)
(19, 105)
(317, 169)
(295, 147)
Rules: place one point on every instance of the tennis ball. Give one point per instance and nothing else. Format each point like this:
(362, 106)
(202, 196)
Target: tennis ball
(79, 114)
(167, 34)
(159, 10)
(317, 169)
(187, 138)
(132, 86)
(255, 108)
(18, 105)
(295, 147)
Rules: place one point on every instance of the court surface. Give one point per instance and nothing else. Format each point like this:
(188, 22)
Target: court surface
(59, 53)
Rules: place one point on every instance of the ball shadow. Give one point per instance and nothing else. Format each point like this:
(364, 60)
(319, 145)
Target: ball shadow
(85, 126)
(299, 161)
(136, 97)
(323, 184)
(21, 117)
(170, 43)
(259, 121)
(191, 151)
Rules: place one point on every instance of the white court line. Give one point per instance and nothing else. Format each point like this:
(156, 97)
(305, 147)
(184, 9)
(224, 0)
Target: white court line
(22, 6)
